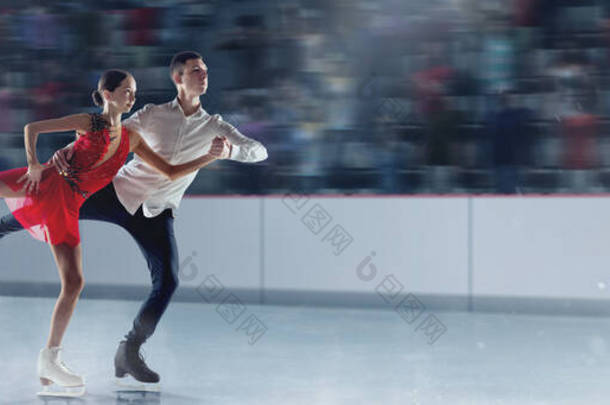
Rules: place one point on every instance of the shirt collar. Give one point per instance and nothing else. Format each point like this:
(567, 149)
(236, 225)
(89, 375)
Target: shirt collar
(176, 105)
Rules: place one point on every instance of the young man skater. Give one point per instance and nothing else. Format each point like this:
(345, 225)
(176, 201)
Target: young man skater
(141, 200)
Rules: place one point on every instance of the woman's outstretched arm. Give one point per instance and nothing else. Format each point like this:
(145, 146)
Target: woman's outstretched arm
(219, 150)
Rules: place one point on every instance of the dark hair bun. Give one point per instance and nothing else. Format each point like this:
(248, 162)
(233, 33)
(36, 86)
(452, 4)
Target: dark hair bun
(97, 98)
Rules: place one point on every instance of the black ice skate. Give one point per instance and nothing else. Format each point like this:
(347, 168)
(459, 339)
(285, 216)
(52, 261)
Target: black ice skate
(129, 362)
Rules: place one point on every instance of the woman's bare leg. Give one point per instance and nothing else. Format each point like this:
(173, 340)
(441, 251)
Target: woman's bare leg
(69, 264)
(7, 192)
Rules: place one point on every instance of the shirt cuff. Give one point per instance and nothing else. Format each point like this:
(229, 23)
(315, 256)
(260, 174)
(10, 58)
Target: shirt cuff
(234, 152)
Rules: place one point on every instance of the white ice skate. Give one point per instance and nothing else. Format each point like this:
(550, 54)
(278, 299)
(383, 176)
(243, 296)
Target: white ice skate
(56, 378)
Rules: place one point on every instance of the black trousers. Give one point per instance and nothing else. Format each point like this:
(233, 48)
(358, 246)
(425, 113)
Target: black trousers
(156, 239)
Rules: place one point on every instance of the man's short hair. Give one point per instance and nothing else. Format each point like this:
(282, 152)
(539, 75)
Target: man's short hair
(179, 60)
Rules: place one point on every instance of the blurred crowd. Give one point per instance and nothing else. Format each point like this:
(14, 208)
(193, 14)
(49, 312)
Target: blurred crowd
(349, 96)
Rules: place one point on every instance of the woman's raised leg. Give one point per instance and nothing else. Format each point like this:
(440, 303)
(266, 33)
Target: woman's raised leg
(7, 192)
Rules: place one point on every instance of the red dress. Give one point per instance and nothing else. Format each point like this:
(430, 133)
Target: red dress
(51, 215)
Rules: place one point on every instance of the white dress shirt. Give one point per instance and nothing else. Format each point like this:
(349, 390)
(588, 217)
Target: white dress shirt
(178, 139)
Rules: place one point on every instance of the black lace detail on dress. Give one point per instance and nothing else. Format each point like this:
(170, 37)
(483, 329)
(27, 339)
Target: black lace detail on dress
(74, 186)
(98, 122)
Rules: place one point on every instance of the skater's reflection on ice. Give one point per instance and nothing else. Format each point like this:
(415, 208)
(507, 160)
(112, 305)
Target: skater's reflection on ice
(61, 401)
(138, 397)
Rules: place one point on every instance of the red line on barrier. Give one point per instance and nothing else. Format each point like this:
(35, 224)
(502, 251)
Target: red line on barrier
(409, 196)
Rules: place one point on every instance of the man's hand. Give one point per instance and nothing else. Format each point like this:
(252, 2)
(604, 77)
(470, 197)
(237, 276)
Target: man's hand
(61, 158)
(221, 148)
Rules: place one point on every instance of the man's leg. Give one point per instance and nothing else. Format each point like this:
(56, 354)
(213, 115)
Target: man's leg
(8, 224)
(105, 206)
(156, 239)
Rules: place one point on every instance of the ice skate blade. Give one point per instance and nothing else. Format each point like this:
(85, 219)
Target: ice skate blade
(70, 392)
(129, 384)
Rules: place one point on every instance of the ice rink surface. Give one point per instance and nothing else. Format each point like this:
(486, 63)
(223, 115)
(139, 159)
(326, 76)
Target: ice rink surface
(210, 354)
